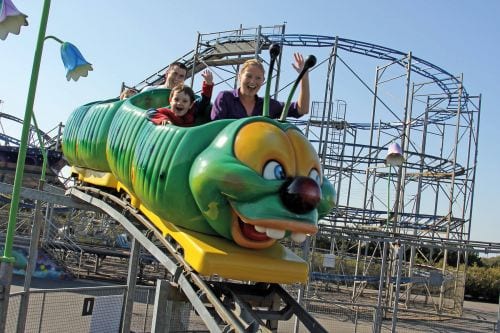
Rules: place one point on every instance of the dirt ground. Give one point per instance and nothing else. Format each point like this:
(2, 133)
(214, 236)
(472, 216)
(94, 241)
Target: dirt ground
(482, 311)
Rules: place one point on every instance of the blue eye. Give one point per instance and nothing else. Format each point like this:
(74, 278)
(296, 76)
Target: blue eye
(273, 170)
(314, 174)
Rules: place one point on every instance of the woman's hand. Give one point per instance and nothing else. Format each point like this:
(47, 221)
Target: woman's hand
(303, 100)
(298, 65)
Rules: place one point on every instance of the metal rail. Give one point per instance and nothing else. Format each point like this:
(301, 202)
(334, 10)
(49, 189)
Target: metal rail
(52, 196)
(211, 49)
(242, 307)
(182, 274)
(352, 233)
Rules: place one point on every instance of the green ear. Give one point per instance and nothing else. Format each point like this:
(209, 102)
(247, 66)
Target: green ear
(328, 198)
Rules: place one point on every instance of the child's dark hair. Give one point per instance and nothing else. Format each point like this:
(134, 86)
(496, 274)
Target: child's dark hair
(179, 64)
(185, 89)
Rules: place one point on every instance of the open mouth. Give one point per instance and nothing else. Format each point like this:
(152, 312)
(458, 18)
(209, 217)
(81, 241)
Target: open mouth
(178, 110)
(250, 88)
(261, 234)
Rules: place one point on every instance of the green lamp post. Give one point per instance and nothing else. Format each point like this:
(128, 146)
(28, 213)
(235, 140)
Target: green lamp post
(76, 66)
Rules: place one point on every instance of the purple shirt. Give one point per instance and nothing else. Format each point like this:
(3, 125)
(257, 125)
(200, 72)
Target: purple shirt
(228, 105)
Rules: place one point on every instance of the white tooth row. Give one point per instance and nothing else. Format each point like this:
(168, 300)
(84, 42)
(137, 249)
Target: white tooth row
(279, 234)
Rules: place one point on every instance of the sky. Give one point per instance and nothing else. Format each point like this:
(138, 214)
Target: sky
(126, 41)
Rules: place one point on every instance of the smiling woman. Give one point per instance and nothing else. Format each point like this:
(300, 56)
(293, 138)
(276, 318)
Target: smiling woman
(244, 102)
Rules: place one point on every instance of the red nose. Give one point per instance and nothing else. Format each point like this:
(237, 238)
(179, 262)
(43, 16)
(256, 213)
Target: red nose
(300, 194)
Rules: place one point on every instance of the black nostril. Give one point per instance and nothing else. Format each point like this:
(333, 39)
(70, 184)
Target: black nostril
(300, 194)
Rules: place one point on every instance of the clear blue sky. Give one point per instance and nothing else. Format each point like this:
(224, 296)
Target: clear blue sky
(127, 40)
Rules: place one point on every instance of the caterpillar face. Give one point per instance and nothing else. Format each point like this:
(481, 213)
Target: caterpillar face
(260, 181)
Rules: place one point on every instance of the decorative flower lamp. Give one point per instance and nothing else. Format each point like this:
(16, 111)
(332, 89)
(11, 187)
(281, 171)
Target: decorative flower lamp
(394, 155)
(75, 64)
(11, 19)
(73, 60)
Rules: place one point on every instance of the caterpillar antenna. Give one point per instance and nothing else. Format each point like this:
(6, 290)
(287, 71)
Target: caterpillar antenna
(310, 62)
(274, 51)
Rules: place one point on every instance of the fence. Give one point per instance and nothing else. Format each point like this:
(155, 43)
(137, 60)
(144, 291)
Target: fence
(89, 309)
(343, 317)
(99, 309)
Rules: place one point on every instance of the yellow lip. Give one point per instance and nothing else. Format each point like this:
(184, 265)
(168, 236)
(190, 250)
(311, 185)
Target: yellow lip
(241, 240)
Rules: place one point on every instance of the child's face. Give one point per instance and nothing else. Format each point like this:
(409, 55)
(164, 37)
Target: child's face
(180, 103)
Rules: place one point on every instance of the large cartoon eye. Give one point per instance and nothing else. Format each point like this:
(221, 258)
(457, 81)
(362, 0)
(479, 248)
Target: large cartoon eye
(314, 174)
(273, 170)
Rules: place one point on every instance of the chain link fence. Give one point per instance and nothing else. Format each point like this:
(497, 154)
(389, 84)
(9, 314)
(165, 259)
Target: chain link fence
(99, 309)
(89, 309)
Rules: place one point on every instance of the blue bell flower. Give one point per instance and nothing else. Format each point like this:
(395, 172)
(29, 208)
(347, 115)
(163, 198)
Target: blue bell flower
(11, 19)
(75, 63)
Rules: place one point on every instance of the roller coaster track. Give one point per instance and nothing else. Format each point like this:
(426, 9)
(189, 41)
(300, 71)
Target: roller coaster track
(227, 49)
(410, 240)
(223, 306)
(33, 142)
